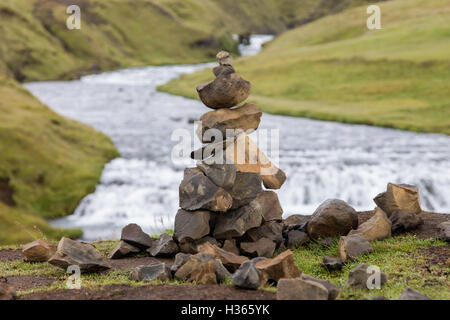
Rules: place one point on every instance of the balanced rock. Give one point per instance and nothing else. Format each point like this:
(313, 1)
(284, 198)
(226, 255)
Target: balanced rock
(84, 255)
(38, 251)
(444, 231)
(299, 289)
(399, 197)
(7, 292)
(410, 294)
(134, 235)
(332, 263)
(123, 249)
(271, 230)
(245, 118)
(164, 247)
(198, 192)
(358, 277)
(333, 217)
(191, 225)
(222, 175)
(333, 290)
(224, 58)
(261, 248)
(230, 246)
(353, 246)
(231, 261)
(226, 91)
(223, 70)
(296, 238)
(147, 273)
(282, 266)
(403, 220)
(376, 228)
(247, 276)
(246, 188)
(180, 260)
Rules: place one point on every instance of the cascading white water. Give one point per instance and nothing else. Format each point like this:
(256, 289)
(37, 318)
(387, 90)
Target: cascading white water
(321, 159)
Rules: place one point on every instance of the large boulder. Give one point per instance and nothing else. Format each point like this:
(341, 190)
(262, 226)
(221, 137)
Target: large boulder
(282, 266)
(7, 292)
(222, 175)
(358, 277)
(444, 231)
(403, 220)
(333, 290)
(147, 273)
(123, 249)
(376, 228)
(197, 192)
(247, 276)
(333, 217)
(230, 260)
(410, 294)
(271, 230)
(165, 246)
(351, 247)
(399, 197)
(84, 255)
(261, 248)
(245, 118)
(134, 235)
(246, 188)
(226, 91)
(300, 289)
(191, 225)
(38, 251)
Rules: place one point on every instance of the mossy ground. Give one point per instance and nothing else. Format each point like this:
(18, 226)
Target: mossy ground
(402, 258)
(336, 69)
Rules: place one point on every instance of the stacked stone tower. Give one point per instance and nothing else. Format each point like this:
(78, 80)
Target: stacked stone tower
(222, 199)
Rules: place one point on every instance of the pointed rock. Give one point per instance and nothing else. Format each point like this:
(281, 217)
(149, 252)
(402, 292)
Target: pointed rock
(404, 221)
(165, 246)
(399, 197)
(410, 294)
(231, 261)
(359, 275)
(191, 225)
(247, 276)
(282, 266)
(155, 271)
(38, 251)
(351, 247)
(299, 289)
(222, 175)
(261, 248)
(134, 235)
(123, 249)
(84, 255)
(202, 268)
(376, 228)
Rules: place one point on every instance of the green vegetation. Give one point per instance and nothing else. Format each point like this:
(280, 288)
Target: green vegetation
(336, 69)
(402, 258)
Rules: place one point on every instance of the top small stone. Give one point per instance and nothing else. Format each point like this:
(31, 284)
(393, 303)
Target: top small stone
(224, 58)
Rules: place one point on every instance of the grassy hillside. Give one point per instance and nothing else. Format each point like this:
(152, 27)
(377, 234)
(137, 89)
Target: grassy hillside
(336, 69)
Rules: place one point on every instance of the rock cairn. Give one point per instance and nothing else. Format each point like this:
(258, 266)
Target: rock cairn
(222, 200)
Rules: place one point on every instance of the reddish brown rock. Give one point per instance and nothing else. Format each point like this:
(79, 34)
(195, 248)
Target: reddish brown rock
(376, 228)
(282, 266)
(231, 261)
(299, 289)
(399, 197)
(38, 251)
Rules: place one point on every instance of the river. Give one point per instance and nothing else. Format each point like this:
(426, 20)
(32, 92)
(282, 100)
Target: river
(322, 160)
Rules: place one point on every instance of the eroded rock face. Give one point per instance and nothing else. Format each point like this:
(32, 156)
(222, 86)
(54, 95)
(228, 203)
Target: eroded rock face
(444, 231)
(38, 251)
(84, 255)
(7, 292)
(165, 246)
(282, 266)
(404, 221)
(261, 248)
(333, 290)
(226, 91)
(134, 235)
(358, 277)
(191, 225)
(399, 197)
(299, 289)
(410, 294)
(197, 192)
(231, 261)
(247, 276)
(222, 175)
(123, 249)
(147, 273)
(351, 247)
(376, 228)
(333, 217)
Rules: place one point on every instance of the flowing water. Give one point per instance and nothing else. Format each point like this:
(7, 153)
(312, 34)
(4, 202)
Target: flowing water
(321, 159)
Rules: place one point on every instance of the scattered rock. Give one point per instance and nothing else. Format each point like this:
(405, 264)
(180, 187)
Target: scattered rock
(198, 192)
(403, 220)
(231, 261)
(377, 298)
(7, 292)
(180, 259)
(376, 228)
(261, 248)
(351, 247)
(246, 187)
(332, 264)
(202, 268)
(226, 91)
(296, 238)
(399, 197)
(222, 175)
(70, 252)
(123, 249)
(230, 246)
(299, 289)
(155, 271)
(359, 276)
(271, 230)
(164, 247)
(134, 235)
(333, 290)
(444, 231)
(282, 266)
(245, 118)
(247, 276)
(410, 294)
(191, 225)
(38, 251)
(224, 58)
(333, 217)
